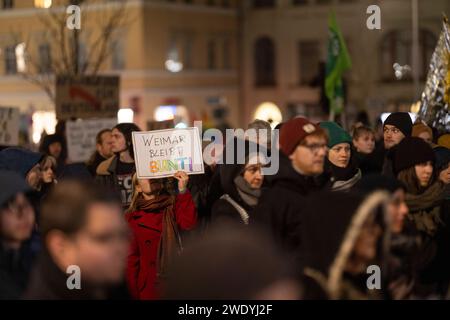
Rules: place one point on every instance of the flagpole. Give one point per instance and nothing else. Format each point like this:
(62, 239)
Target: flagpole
(415, 47)
(331, 118)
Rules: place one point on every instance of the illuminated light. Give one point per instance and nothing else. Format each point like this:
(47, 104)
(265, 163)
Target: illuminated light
(125, 115)
(20, 57)
(386, 114)
(269, 112)
(415, 107)
(43, 121)
(164, 113)
(43, 3)
(174, 66)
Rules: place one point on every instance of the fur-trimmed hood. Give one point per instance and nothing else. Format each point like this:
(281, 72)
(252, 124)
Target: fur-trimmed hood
(331, 229)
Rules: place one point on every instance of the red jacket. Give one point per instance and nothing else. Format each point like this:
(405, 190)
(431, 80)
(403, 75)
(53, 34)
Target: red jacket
(146, 234)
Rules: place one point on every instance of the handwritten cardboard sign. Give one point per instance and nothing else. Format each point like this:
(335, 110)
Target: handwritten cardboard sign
(161, 153)
(81, 136)
(87, 97)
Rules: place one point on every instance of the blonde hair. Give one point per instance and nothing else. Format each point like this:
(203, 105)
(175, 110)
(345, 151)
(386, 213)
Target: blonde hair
(360, 131)
(167, 186)
(134, 196)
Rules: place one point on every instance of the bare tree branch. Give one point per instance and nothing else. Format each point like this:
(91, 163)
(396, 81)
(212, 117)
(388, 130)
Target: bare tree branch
(66, 45)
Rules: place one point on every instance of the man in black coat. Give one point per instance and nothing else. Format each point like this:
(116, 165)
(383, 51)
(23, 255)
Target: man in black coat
(303, 147)
(396, 127)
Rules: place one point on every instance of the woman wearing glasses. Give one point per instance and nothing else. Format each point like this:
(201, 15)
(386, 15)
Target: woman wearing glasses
(242, 186)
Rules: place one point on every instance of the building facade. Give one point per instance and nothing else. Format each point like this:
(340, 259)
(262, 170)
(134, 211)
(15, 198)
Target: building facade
(285, 47)
(175, 58)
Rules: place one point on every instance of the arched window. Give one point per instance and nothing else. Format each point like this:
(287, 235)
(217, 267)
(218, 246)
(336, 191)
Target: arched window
(264, 60)
(263, 3)
(396, 47)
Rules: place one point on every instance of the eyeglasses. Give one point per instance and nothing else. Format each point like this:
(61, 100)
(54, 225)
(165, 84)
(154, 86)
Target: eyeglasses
(393, 130)
(315, 147)
(254, 168)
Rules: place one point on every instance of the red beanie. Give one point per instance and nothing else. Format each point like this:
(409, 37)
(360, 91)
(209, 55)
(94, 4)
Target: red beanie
(293, 132)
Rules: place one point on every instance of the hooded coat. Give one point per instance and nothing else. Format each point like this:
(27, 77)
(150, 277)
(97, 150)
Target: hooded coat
(15, 264)
(231, 206)
(331, 229)
(19, 160)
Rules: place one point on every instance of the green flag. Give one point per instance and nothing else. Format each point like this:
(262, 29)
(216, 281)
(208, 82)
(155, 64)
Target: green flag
(338, 61)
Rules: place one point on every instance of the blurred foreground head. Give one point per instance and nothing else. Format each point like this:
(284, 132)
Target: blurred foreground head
(231, 263)
(82, 225)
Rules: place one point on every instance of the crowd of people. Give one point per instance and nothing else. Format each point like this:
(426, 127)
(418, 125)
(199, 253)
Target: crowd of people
(342, 204)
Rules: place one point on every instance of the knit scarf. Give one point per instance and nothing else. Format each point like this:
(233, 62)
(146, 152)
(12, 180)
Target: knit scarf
(248, 194)
(170, 243)
(425, 207)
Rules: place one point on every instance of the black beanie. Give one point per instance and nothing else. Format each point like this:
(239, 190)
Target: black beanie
(402, 121)
(411, 151)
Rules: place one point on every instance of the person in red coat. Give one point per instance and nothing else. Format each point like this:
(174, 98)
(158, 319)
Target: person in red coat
(155, 217)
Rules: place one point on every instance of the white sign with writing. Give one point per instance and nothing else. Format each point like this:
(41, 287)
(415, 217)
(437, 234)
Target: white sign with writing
(161, 153)
(81, 136)
(9, 126)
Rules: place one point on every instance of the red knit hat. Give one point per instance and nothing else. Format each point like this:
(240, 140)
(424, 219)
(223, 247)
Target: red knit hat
(293, 132)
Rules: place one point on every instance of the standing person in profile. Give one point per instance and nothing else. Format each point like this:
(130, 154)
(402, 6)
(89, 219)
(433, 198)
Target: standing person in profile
(116, 173)
(103, 150)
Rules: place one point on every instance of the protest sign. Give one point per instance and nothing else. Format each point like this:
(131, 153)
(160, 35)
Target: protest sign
(9, 126)
(81, 137)
(161, 153)
(87, 97)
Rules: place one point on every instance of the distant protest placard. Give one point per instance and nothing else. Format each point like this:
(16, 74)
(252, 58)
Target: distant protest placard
(161, 153)
(81, 137)
(9, 126)
(87, 97)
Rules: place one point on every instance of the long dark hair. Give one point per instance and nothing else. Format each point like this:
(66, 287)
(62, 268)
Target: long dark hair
(409, 178)
(126, 129)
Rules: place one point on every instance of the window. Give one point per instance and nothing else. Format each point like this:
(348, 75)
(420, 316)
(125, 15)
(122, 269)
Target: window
(396, 47)
(211, 54)
(10, 60)
(226, 54)
(309, 53)
(45, 59)
(264, 59)
(263, 3)
(323, 1)
(82, 56)
(21, 57)
(299, 2)
(187, 51)
(180, 50)
(117, 57)
(8, 4)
